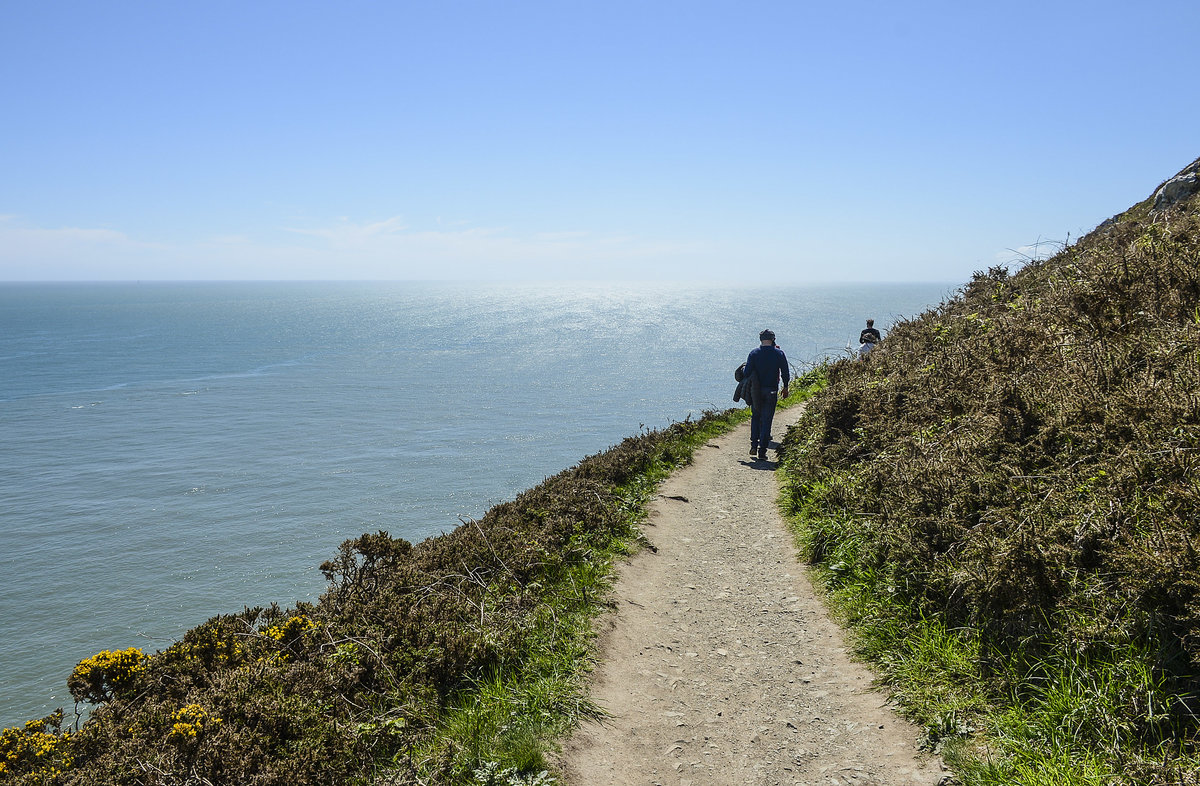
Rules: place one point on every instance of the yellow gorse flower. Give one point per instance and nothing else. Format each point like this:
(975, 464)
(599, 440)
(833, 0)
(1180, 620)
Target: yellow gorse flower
(294, 626)
(288, 634)
(119, 666)
(33, 750)
(208, 647)
(97, 677)
(189, 722)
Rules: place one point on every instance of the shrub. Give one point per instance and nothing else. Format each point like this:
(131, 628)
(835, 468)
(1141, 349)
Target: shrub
(38, 753)
(371, 681)
(106, 674)
(1019, 464)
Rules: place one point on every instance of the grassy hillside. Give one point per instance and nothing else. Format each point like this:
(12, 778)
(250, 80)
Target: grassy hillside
(1004, 499)
(454, 660)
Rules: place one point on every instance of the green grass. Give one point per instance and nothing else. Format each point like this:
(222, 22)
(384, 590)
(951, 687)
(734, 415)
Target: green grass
(461, 659)
(506, 727)
(1001, 502)
(1101, 714)
(507, 721)
(932, 671)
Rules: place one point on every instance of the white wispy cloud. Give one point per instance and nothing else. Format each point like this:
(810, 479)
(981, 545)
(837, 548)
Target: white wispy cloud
(32, 253)
(392, 248)
(343, 249)
(348, 233)
(14, 231)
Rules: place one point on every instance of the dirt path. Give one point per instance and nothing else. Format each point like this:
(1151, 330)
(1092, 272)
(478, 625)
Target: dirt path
(720, 665)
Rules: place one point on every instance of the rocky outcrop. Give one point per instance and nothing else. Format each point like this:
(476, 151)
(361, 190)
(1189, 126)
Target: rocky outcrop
(1178, 188)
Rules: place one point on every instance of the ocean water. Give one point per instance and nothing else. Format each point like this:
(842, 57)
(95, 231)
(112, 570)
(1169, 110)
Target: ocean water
(175, 451)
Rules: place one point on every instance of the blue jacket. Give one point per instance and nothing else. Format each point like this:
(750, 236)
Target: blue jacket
(769, 365)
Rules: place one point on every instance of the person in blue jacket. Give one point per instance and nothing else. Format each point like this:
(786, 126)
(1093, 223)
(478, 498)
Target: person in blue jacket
(766, 368)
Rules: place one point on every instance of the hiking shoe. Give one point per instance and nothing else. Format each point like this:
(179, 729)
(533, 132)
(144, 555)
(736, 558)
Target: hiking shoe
(753, 449)
(762, 455)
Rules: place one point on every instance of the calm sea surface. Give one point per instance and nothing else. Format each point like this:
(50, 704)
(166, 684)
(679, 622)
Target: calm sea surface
(174, 451)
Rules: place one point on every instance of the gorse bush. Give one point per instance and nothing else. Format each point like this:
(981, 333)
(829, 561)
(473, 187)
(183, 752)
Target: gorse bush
(1019, 466)
(105, 674)
(421, 663)
(190, 723)
(40, 750)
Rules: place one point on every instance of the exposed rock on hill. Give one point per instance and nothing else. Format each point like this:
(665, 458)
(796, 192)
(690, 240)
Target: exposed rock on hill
(1178, 188)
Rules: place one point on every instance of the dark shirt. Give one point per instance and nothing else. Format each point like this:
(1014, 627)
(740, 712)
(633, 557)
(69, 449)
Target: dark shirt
(869, 336)
(769, 365)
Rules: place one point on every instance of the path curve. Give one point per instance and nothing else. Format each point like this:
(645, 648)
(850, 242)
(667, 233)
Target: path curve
(720, 665)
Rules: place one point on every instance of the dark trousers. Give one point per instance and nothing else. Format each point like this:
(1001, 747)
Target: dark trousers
(762, 412)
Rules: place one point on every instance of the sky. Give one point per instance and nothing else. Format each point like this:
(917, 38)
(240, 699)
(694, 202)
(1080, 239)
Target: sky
(795, 142)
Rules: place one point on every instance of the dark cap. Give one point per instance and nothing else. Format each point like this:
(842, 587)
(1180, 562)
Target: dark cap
(766, 335)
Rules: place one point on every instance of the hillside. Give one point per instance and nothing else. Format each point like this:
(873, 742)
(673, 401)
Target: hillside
(453, 660)
(1004, 499)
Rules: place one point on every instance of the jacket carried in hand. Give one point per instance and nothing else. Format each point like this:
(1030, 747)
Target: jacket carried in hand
(742, 391)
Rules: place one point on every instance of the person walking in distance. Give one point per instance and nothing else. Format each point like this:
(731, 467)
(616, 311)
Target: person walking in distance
(868, 338)
(766, 368)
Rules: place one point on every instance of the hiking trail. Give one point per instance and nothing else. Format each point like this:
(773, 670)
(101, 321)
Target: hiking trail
(720, 665)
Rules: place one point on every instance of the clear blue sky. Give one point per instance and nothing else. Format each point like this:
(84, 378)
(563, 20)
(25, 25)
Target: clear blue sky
(785, 141)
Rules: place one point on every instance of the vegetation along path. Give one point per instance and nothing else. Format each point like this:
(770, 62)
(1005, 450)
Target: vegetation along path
(720, 665)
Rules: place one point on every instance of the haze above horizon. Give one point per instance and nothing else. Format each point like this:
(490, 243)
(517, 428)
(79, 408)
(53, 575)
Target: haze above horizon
(704, 141)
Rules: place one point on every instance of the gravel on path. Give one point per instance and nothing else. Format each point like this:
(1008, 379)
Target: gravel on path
(720, 665)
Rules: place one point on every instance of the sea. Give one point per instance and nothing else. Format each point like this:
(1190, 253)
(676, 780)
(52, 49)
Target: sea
(174, 451)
